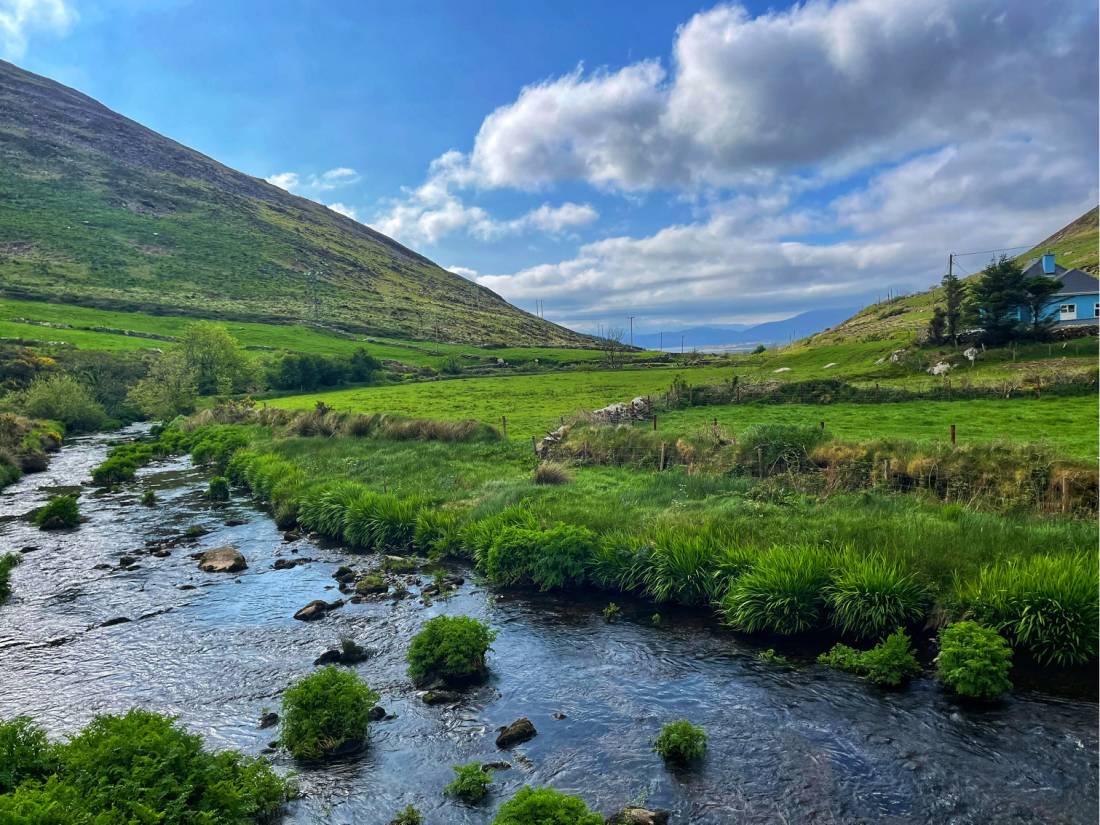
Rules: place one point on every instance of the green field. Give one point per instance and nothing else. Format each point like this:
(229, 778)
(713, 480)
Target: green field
(1067, 425)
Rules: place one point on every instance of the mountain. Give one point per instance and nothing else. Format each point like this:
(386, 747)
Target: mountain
(741, 335)
(900, 319)
(98, 210)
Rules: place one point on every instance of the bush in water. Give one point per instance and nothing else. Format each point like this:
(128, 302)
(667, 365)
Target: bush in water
(451, 648)
(139, 767)
(681, 742)
(974, 661)
(889, 663)
(7, 562)
(60, 513)
(545, 806)
(218, 490)
(471, 783)
(325, 713)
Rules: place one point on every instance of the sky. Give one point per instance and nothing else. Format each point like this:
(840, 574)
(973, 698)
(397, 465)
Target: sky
(684, 163)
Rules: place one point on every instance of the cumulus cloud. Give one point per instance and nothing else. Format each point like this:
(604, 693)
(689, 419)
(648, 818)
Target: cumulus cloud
(20, 18)
(464, 271)
(817, 87)
(344, 209)
(313, 185)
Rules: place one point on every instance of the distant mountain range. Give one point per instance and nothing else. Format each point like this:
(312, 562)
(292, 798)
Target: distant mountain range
(738, 336)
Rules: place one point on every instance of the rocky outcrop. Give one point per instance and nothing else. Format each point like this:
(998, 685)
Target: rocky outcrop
(226, 559)
(516, 733)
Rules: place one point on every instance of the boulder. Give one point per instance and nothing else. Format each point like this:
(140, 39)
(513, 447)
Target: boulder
(269, 720)
(116, 620)
(376, 714)
(440, 697)
(287, 564)
(344, 574)
(519, 731)
(632, 815)
(226, 559)
(317, 609)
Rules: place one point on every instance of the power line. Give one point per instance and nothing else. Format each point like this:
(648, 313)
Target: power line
(991, 251)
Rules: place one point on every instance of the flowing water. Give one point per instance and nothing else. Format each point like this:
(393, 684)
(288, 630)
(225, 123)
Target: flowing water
(786, 745)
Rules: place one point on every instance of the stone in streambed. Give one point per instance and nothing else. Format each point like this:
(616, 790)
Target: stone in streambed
(316, 609)
(632, 815)
(269, 720)
(226, 559)
(519, 731)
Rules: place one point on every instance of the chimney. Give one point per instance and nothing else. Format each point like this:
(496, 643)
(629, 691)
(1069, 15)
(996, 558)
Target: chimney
(1048, 263)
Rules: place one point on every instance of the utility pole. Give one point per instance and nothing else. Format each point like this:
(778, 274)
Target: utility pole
(681, 344)
(661, 338)
(632, 317)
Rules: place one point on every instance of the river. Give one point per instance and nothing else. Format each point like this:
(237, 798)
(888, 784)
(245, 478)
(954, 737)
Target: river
(787, 745)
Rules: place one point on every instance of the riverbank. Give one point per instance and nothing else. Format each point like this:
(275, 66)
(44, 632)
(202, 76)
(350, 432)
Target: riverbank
(785, 743)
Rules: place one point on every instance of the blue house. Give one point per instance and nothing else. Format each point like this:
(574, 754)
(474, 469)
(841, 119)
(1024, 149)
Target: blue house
(1076, 304)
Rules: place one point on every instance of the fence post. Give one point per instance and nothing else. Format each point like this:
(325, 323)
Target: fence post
(535, 444)
(760, 460)
(823, 425)
(1065, 494)
(952, 435)
(654, 423)
(504, 426)
(661, 465)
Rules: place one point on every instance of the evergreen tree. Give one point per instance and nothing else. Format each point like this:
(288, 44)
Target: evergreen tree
(936, 326)
(995, 301)
(1039, 291)
(954, 294)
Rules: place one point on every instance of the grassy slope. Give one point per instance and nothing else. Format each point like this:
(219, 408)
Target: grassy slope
(98, 210)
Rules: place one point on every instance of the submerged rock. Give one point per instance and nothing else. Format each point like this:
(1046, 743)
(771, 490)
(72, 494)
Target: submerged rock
(632, 815)
(316, 609)
(377, 713)
(116, 620)
(226, 559)
(287, 564)
(519, 731)
(440, 697)
(269, 720)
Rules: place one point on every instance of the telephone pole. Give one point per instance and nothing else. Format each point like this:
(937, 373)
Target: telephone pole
(632, 317)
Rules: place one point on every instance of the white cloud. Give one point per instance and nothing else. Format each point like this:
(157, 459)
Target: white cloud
(464, 271)
(836, 86)
(19, 18)
(344, 209)
(312, 185)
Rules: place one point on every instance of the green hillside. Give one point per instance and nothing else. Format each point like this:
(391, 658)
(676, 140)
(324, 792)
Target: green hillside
(900, 319)
(99, 211)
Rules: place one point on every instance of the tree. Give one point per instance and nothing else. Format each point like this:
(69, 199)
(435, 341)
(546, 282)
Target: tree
(62, 398)
(953, 295)
(937, 324)
(218, 363)
(995, 301)
(612, 345)
(1040, 289)
(170, 388)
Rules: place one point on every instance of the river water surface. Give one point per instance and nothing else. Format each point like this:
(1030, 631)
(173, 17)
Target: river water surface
(803, 745)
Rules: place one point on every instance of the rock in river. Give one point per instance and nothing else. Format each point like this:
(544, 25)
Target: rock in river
(316, 609)
(269, 720)
(519, 731)
(632, 815)
(226, 559)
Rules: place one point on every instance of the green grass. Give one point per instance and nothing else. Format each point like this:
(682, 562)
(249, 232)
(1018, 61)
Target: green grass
(1066, 425)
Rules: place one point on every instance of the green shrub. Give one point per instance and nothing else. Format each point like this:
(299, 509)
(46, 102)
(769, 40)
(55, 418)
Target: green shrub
(681, 742)
(380, 521)
(778, 447)
(478, 536)
(545, 806)
(325, 713)
(680, 567)
(784, 592)
(471, 783)
(438, 533)
(122, 462)
(324, 509)
(451, 648)
(619, 561)
(63, 398)
(218, 489)
(1046, 605)
(870, 596)
(890, 663)
(408, 816)
(553, 558)
(149, 498)
(7, 562)
(216, 444)
(60, 513)
(140, 767)
(24, 753)
(974, 661)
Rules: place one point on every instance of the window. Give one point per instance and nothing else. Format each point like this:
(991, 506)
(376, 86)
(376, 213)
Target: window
(1096, 310)
(1067, 312)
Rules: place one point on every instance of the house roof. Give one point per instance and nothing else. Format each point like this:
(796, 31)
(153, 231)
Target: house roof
(1073, 280)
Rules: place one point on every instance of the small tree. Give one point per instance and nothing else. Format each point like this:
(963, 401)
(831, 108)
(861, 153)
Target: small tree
(217, 361)
(995, 300)
(612, 345)
(1039, 290)
(937, 325)
(954, 295)
(170, 388)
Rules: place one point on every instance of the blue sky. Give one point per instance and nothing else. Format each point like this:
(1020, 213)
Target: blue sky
(681, 162)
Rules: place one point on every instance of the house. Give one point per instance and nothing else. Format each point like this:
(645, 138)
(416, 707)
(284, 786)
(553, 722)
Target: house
(1076, 304)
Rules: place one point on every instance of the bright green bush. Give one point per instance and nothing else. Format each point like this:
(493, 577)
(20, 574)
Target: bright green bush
(451, 648)
(619, 561)
(870, 596)
(545, 806)
(24, 753)
(122, 462)
(438, 533)
(553, 558)
(778, 447)
(149, 498)
(380, 521)
(7, 562)
(408, 816)
(324, 509)
(216, 443)
(218, 489)
(681, 742)
(60, 513)
(784, 592)
(62, 398)
(681, 566)
(1046, 605)
(141, 768)
(478, 536)
(325, 713)
(471, 783)
(889, 663)
(974, 661)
